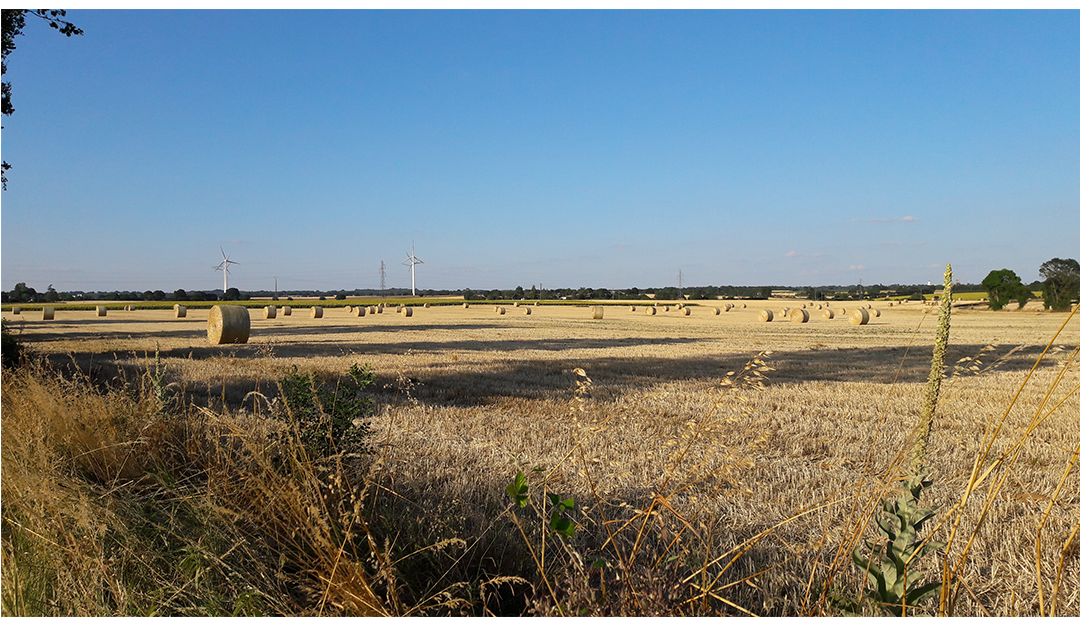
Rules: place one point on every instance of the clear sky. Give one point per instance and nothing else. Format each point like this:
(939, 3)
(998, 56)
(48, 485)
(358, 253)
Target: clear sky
(597, 149)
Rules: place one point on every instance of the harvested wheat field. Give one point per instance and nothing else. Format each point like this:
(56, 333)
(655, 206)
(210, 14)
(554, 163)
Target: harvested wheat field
(716, 464)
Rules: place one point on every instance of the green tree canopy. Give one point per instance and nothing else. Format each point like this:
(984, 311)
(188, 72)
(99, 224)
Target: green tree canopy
(1061, 283)
(1001, 286)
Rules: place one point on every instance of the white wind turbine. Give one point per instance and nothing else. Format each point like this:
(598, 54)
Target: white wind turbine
(412, 261)
(224, 267)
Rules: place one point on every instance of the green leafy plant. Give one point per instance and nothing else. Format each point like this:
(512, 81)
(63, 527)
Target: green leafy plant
(330, 419)
(560, 522)
(890, 564)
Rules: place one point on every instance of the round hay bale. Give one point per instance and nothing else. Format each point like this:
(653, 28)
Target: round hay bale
(359, 311)
(316, 312)
(744, 305)
(875, 312)
(500, 310)
(826, 313)
(666, 308)
(16, 310)
(826, 304)
(47, 313)
(802, 306)
(427, 305)
(181, 311)
(517, 304)
(528, 311)
(799, 316)
(890, 304)
(819, 306)
(597, 312)
(869, 306)
(228, 324)
(859, 317)
(286, 311)
(380, 309)
(101, 311)
(728, 307)
(465, 305)
(127, 308)
(633, 308)
(348, 309)
(406, 311)
(270, 312)
(716, 311)
(399, 308)
(686, 311)
(650, 310)
(843, 311)
(678, 306)
(372, 310)
(765, 315)
(495, 308)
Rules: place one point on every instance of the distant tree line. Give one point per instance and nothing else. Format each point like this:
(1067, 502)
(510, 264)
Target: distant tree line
(1060, 285)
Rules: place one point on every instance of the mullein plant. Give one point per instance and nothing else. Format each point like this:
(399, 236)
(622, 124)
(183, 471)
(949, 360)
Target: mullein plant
(890, 566)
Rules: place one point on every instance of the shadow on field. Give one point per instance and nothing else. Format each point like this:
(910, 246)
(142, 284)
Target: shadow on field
(478, 380)
(554, 378)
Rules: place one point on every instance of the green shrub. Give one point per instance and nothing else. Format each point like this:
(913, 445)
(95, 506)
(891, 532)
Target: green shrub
(328, 419)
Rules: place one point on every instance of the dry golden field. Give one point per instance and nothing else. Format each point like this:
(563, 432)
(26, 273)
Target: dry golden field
(730, 497)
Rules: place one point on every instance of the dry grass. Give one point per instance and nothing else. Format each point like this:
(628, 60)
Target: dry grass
(711, 478)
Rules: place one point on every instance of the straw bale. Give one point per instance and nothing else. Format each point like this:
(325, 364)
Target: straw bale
(715, 311)
(101, 311)
(228, 324)
(875, 312)
(826, 313)
(528, 311)
(686, 311)
(270, 312)
(427, 305)
(799, 315)
(47, 313)
(859, 317)
(650, 310)
(359, 311)
(16, 310)
(765, 315)
(181, 311)
(465, 305)
(500, 310)
(633, 309)
(316, 312)
(406, 311)
(597, 312)
(286, 311)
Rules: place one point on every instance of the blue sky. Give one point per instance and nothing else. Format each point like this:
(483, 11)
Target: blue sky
(514, 148)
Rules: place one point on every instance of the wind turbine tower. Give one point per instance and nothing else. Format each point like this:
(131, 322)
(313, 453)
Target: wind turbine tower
(224, 268)
(382, 277)
(412, 261)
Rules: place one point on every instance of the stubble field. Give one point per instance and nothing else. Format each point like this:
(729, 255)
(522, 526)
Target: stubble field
(701, 485)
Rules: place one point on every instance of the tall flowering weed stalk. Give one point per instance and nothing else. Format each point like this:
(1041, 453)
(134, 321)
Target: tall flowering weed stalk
(890, 565)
